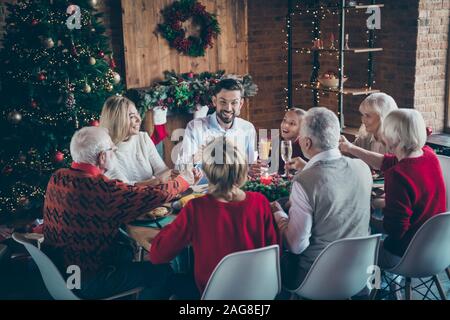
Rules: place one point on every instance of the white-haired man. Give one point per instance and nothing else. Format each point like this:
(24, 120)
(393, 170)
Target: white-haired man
(83, 211)
(330, 197)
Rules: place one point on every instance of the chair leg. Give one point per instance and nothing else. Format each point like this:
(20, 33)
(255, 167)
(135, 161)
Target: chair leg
(373, 294)
(293, 296)
(408, 289)
(439, 287)
(448, 272)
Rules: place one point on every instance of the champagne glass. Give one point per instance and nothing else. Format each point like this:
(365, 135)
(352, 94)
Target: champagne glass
(264, 151)
(286, 154)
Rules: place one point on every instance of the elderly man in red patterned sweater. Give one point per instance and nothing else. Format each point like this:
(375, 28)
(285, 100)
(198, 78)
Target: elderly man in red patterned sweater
(83, 211)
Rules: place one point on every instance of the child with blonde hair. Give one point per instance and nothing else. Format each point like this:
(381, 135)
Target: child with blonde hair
(224, 221)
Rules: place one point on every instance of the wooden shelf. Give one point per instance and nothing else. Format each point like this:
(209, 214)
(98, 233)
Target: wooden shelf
(359, 91)
(362, 50)
(346, 91)
(366, 6)
(351, 50)
(357, 7)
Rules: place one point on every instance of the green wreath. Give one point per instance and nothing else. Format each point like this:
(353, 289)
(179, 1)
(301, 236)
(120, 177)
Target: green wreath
(172, 30)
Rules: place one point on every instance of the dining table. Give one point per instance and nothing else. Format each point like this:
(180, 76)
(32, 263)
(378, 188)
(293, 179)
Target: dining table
(144, 233)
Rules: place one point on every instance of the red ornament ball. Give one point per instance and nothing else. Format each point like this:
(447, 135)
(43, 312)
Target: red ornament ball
(101, 54)
(34, 22)
(94, 123)
(112, 63)
(42, 76)
(7, 170)
(190, 75)
(59, 156)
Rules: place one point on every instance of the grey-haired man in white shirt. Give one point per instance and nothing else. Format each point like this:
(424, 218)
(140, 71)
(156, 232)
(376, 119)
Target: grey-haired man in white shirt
(330, 197)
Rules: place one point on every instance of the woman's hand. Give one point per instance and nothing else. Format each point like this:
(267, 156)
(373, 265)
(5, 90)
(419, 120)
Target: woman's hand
(256, 169)
(345, 146)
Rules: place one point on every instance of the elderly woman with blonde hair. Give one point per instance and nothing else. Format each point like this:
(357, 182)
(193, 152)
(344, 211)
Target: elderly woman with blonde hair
(138, 161)
(414, 185)
(374, 110)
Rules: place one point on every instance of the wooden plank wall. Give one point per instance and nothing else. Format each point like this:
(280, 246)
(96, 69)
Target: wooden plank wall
(147, 54)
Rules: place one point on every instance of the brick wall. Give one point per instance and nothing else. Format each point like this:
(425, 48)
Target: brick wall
(431, 61)
(414, 35)
(266, 20)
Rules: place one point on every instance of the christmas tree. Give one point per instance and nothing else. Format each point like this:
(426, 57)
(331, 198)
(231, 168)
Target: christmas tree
(56, 71)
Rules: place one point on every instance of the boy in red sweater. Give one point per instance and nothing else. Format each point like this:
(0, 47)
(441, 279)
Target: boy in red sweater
(224, 221)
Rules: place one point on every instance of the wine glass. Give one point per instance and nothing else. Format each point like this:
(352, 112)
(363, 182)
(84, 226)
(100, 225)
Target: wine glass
(286, 154)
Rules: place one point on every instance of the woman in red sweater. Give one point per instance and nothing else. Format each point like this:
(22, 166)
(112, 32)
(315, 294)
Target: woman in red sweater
(224, 221)
(413, 181)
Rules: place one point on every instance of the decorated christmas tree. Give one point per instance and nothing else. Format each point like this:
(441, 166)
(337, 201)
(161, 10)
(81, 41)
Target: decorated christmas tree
(56, 70)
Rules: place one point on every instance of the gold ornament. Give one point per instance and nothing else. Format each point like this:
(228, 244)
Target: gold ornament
(93, 3)
(109, 87)
(116, 78)
(87, 88)
(92, 61)
(14, 117)
(49, 43)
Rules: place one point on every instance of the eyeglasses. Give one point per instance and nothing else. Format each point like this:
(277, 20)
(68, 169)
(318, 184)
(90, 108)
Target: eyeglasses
(113, 149)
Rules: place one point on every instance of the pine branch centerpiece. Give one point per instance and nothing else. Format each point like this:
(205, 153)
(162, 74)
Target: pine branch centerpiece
(273, 188)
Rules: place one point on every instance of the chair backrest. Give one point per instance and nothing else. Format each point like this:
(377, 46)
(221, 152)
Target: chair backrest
(445, 165)
(428, 252)
(341, 269)
(54, 282)
(246, 275)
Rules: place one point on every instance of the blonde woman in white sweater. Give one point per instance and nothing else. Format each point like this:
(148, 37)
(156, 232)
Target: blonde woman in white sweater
(138, 161)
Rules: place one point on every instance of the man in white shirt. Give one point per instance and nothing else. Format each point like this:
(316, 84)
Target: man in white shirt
(225, 122)
(330, 198)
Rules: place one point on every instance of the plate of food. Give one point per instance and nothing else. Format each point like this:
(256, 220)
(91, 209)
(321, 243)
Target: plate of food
(155, 214)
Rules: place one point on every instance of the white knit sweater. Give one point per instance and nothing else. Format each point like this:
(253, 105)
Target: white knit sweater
(137, 160)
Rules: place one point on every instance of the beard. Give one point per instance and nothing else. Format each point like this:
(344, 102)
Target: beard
(222, 116)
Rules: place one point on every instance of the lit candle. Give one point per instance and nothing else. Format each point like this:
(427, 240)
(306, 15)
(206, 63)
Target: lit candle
(266, 180)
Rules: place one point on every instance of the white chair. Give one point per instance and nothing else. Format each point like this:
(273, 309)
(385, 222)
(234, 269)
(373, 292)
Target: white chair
(427, 255)
(246, 275)
(54, 282)
(445, 166)
(341, 269)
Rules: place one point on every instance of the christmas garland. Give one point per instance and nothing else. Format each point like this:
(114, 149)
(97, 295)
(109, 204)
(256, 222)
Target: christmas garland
(172, 29)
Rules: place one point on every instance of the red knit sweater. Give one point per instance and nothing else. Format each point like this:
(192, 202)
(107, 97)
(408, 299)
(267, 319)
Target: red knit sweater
(83, 210)
(415, 191)
(216, 229)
